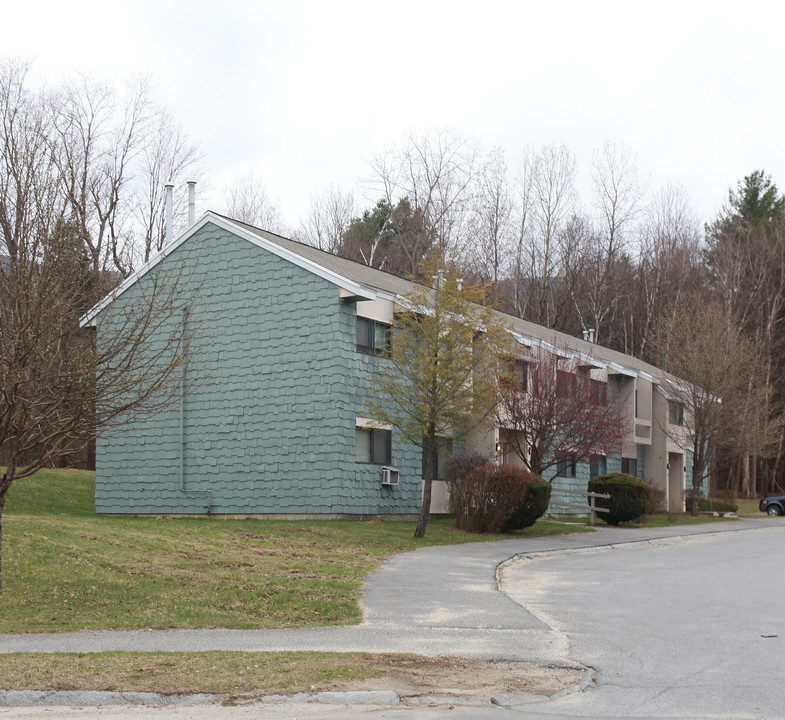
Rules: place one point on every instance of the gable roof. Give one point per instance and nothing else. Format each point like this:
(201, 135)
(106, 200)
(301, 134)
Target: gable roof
(362, 282)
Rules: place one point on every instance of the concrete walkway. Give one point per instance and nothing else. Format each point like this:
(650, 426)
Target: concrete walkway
(434, 601)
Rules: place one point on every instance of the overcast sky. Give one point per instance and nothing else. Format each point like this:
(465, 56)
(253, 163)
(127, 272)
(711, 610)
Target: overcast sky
(303, 93)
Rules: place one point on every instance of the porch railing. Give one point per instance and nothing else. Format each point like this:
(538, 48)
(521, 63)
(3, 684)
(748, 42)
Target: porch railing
(592, 508)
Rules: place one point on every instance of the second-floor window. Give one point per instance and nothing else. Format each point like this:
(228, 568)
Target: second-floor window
(675, 413)
(515, 375)
(373, 337)
(565, 384)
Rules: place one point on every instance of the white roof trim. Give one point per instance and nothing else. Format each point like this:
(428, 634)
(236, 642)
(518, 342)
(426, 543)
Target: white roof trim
(223, 223)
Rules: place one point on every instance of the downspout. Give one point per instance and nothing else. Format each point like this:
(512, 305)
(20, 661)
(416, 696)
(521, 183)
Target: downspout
(182, 411)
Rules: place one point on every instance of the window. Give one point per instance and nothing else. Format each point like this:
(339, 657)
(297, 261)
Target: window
(514, 374)
(629, 466)
(675, 413)
(598, 391)
(565, 466)
(373, 337)
(565, 383)
(443, 451)
(374, 446)
(598, 465)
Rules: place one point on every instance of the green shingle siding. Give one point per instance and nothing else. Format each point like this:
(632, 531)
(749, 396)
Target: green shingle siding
(270, 424)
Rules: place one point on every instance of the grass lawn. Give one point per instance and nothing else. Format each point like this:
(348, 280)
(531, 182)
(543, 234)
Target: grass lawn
(233, 673)
(64, 568)
(659, 519)
(749, 507)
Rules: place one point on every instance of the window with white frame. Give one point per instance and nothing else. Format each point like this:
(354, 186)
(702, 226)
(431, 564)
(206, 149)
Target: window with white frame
(373, 445)
(373, 337)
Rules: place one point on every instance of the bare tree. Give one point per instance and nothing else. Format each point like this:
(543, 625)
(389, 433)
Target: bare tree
(716, 382)
(616, 197)
(547, 200)
(554, 408)
(668, 264)
(434, 172)
(166, 155)
(114, 153)
(330, 214)
(93, 146)
(57, 387)
(491, 223)
(248, 201)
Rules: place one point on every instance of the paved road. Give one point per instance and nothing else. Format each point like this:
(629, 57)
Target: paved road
(428, 602)
(691, 629)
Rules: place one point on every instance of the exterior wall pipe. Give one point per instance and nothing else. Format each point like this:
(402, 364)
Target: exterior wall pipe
(182, 412)
(169, 186)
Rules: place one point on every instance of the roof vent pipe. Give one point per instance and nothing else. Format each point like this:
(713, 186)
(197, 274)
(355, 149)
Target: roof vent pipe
(191, 202)
(169, 187)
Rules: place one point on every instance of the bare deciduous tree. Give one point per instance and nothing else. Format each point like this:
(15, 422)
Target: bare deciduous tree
(716, 378)
(57, 387)
(546, 201)
(330, 214)
(434, 173)
(491, 223)
(248, 201)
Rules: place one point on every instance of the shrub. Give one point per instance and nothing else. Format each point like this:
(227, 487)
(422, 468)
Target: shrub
(500, 498)
(629, 497)
(456, 468)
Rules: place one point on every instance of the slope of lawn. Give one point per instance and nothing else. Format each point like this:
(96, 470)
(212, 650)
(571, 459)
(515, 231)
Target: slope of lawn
(65, 568)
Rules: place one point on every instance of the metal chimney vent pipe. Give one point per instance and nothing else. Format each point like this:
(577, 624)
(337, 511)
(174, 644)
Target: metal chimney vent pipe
(191, 202)
(169, 187)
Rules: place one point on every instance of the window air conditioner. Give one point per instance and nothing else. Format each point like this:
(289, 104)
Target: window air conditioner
(389, 476)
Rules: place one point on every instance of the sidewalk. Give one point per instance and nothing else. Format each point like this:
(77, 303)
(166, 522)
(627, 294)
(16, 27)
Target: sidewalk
(434, 601)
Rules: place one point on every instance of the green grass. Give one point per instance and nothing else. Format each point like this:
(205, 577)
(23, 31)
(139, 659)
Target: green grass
(233, 673)
(64, 568)
(749, 507)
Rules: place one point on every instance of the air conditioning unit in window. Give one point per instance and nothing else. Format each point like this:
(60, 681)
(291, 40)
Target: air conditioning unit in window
(389, 476)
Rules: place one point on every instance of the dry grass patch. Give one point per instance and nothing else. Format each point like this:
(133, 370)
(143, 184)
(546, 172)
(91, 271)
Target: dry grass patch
(249, 674)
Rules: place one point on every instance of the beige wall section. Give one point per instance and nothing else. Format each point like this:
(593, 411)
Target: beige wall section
(381, 310)
(440, 498)
(656, 454)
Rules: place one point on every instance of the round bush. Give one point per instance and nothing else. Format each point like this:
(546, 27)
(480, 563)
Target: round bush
(456, 468)
(629, 497)
(536, 501)
(500, 498)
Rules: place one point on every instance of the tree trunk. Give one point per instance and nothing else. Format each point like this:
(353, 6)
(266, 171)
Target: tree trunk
(425, 509)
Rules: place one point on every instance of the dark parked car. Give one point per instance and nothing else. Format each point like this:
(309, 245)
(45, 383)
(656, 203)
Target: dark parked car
(773, 505)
